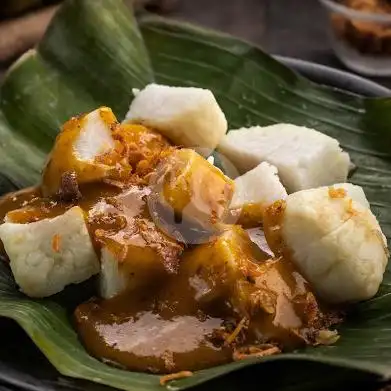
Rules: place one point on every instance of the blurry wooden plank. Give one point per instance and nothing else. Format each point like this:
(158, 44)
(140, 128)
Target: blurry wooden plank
(18, 35)
(295, 28)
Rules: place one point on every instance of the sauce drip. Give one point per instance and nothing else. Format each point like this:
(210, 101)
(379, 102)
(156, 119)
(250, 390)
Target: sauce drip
(14, 201)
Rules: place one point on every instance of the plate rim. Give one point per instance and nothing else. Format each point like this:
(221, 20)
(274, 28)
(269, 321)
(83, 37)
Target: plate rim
(335, 77)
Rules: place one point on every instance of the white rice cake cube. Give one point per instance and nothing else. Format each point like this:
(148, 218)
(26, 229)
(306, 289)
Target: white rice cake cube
(305, 158)
(49, 254)
(334, 240)
(188, 116)
(81, 141)
(261, 186)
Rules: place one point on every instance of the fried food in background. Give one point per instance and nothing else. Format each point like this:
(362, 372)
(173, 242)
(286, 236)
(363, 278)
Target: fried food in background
(368, 37)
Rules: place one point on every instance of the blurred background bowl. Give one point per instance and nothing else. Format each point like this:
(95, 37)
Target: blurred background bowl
(360, 32)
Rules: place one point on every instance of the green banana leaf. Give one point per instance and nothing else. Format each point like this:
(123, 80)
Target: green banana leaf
(93, 54)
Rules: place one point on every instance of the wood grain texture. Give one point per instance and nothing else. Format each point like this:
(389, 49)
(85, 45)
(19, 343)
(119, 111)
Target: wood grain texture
(18, 35)
(294, 28)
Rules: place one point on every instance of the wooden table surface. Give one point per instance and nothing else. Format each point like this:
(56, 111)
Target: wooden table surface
(294, 28)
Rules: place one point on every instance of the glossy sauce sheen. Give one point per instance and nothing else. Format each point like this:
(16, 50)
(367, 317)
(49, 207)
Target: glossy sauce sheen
(284, 290)
(179, 326)
(17, 200)
(63, 157)
(181, 307)
(313, 314)
(142, 335)
(14, 201)
(175, 327)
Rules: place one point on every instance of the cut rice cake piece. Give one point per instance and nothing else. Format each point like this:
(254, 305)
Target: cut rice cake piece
(134, 252)
(305, 158)
(191, 188)
(356, 193)
(219, 272)
(231, 276)
(78, 149)
(260, 185)
(187, 116)
(47, 255)
(135, 257)
(254, 191)
(335, 241)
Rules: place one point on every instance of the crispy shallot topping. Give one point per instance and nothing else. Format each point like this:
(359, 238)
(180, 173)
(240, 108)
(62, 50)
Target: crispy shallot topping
(174, 376)
(245, 352)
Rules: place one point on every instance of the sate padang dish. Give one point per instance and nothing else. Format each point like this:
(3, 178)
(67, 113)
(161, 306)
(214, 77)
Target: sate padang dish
(186, 279)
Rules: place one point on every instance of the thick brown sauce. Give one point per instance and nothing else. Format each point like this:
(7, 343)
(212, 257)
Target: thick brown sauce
(150, 334)
(185, 324)
(185, 320)
(187, 317)
(316, 315)
(17, 200)
(249, 216)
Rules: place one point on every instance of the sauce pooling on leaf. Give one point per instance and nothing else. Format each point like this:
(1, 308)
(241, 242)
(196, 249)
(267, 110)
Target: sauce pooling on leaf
(168, 301)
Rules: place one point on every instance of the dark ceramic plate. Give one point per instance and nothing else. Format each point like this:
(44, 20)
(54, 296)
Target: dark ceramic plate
(23, 367)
